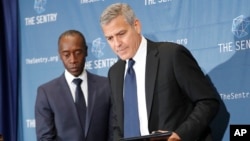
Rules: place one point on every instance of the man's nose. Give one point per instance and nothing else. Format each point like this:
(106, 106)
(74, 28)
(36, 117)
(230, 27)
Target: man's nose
(117, 42)
(72, 58)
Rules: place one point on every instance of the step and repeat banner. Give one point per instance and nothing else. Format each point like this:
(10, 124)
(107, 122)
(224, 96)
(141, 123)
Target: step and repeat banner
(217, 32)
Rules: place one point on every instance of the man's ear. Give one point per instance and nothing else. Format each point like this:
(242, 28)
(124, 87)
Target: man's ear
(86, 50)
(137, 25)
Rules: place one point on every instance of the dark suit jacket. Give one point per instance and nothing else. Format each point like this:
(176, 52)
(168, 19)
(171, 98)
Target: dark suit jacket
(56, 115)
(178, 96)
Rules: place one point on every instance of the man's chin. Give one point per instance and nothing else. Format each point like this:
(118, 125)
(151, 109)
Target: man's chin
(123, 57)
(75, 73)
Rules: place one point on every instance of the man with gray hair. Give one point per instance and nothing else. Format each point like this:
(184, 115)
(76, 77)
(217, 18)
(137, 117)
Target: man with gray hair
(156, 86)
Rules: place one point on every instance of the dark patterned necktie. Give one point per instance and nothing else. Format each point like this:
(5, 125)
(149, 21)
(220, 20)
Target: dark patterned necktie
(80, 103)
(131, 117)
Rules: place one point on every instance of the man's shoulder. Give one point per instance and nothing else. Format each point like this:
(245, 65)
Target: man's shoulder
(162, 43)
(118, 66)
(53, 81)
(96, 76)
(166, 47)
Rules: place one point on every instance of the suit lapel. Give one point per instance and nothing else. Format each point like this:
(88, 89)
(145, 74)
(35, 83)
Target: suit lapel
(91, 101)
(64, 91)
(151, 72)
(118, 90)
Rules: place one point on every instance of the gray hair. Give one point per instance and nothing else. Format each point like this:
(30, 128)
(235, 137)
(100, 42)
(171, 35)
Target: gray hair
(116, 10)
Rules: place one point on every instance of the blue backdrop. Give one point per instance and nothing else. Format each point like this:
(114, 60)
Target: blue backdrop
(215, 31)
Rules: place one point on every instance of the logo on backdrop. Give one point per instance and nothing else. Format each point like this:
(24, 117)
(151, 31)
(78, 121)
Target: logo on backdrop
(240, 29)
(97, 47)
(97, 50)
(39, 6)
(240, 25)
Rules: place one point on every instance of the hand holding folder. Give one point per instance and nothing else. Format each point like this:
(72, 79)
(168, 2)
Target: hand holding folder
(156, 136)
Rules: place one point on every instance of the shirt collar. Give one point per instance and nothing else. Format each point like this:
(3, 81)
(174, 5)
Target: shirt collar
(142, 50)
(69, 77)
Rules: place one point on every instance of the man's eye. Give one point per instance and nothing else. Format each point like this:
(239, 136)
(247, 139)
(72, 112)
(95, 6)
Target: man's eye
(121, 34)
(109, 38)
(78, 52)
(66, 54)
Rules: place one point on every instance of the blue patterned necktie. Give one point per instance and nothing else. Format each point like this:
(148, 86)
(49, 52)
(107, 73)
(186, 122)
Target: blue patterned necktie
(131, 117)
(80, 103)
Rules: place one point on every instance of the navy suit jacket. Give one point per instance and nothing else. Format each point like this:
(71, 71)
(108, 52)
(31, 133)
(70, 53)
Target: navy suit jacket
(56, 115)
(179, 97)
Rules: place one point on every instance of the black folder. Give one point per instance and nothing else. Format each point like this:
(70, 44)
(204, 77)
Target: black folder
(152, 137)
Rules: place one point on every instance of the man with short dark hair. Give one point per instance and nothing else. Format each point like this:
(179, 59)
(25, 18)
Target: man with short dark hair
(66, 110)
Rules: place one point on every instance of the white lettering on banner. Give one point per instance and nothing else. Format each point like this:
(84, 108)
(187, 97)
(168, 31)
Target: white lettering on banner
(30, 21)
(183, 41)
(234, 46)
(99, 64)
(235, 96)
(89, 1)
(150, 2)
(153, 2)
(46, 18)
(88, 65)
(41, 60)
(242, 45)
(30, 123)
(41, 19)
(226, 47)
(104, 63)
(161, 1)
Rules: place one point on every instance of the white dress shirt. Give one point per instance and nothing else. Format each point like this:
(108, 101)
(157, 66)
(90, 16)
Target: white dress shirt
(84, 85)
(139, 67)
